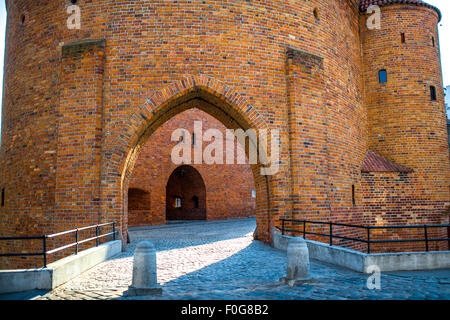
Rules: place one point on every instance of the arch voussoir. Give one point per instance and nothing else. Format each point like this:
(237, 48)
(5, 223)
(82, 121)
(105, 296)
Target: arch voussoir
(162, 98)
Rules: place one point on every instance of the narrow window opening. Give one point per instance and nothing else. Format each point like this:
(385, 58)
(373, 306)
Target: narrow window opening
(382, 76)
(178, 202)
(353, 195)
(253, 193)
(193, 138)
(22, 19)
(316, 14)
(196, 202)
(73, 1)
(403, 37)
(3, 198)
(433, 41)
(433, 93)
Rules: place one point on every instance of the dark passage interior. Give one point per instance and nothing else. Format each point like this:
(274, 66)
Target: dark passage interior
(185, 195)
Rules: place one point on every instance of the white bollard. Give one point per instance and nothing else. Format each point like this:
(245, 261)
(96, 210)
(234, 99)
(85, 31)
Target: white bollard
(297, 263)
(144, 271)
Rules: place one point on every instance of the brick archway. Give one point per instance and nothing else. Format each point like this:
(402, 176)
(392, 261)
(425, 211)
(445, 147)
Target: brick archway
(124, 141)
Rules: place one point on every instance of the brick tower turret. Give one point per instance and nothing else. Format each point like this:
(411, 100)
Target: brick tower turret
(405, 99)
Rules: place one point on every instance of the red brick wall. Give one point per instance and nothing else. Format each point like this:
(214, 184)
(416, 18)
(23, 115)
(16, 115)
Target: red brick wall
(139, 205)
(390, 199)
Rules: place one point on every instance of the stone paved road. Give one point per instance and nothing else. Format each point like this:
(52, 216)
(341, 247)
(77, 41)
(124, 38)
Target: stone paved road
(220, 260)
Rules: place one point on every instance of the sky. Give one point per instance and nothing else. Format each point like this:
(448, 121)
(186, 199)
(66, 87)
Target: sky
(444, 36)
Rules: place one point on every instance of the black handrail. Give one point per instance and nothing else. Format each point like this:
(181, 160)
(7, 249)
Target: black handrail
(368, 241)
(44, 253)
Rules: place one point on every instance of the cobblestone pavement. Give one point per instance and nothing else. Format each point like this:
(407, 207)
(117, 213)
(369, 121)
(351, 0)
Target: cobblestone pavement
(220, 260)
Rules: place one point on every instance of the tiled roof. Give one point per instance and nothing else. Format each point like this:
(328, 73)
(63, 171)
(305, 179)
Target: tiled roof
(364, 4)
(377, 163)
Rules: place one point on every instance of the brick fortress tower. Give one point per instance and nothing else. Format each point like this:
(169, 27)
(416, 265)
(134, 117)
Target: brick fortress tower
(359, 112)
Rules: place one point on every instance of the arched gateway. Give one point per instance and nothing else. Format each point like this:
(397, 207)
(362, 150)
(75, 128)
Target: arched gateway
(127, 138)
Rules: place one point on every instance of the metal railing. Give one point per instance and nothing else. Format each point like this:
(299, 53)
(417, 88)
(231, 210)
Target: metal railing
(367, 230)
(76, 232)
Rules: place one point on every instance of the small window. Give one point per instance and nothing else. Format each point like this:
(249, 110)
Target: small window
(433, 93)
(403, 37)
(382, 76)
(253, 193)
(3, 198)
(22, 19)
(178, 202)
(196, 202)
(193, 138)
(316, 14)
(433, 41)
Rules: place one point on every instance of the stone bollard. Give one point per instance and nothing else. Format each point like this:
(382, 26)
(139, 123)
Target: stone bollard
(297, 263)
(144, 271)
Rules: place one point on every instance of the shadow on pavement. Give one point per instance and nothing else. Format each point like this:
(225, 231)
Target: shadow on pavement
(27, 295)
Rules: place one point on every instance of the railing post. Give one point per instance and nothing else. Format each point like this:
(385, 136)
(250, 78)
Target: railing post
(426, 237)
(114, 230)
(368, 239)
(331, 234)
(282, 227)
(76, 241)
(96, 234)
(304, 229)
(44, 248)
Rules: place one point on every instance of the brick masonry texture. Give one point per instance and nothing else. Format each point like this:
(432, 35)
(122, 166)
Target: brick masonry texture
(79, 106)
